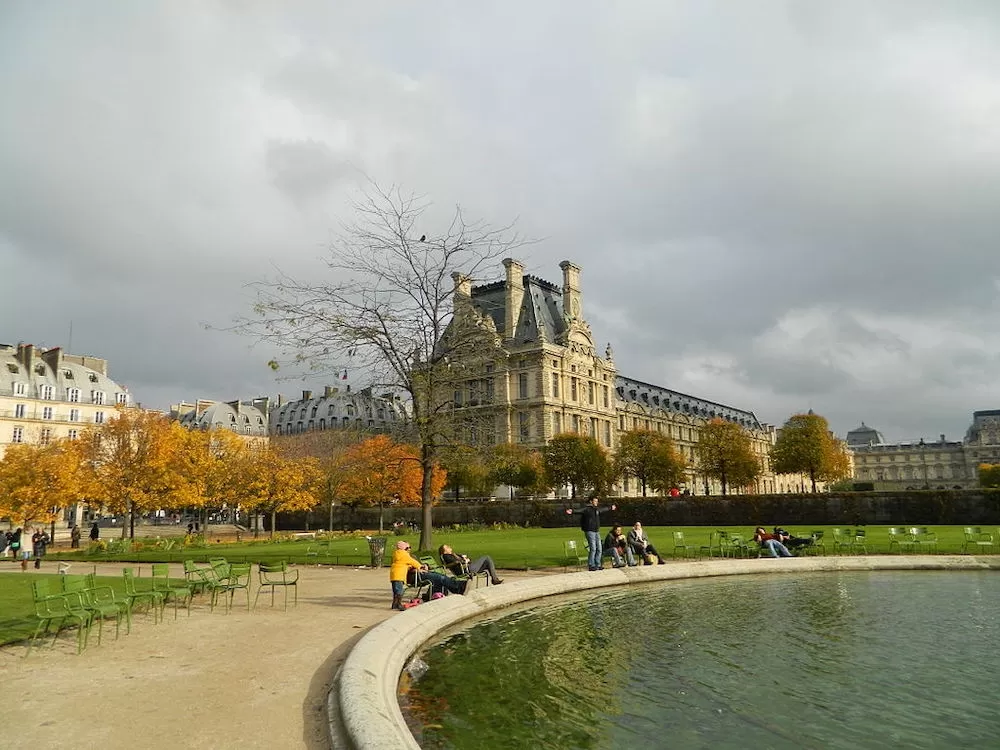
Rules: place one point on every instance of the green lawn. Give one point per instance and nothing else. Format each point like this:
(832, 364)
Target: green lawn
(17, 621)
(510, 548)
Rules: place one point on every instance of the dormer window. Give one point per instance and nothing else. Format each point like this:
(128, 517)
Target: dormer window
(12, 368)
(97, 397)
(45, 392)
(40, 369)
(93, 377)
(19, 389)
(73, 395)
(121, 398)
(68, 374)
(232, 419)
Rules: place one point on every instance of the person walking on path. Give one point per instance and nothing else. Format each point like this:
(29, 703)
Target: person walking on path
(95, 532)
(590, 524)
(74, 536)
(39, 542)
(15, 547)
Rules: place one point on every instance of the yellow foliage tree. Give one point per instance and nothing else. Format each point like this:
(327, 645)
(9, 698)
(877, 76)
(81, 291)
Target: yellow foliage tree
(725, 452)
(37, 480)
(380, 471)
(267, 482)
(127, 462)
(203, 468)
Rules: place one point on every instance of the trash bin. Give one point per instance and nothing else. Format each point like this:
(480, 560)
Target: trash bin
(376, 545)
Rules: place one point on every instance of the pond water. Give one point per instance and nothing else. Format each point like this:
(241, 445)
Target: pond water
(830, 660)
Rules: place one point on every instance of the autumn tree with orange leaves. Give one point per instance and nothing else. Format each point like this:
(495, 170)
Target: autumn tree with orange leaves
(267, 482)
(37, 480)
(126, 462)
(380, 471)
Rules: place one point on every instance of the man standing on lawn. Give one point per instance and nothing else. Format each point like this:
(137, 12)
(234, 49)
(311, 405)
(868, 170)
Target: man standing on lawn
(590, 523)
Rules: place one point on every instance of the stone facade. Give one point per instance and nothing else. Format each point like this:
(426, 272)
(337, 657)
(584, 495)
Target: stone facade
(539, 374)
(941, 464)
(49, 395)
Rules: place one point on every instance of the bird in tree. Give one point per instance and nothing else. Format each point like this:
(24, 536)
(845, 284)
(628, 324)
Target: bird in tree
(423, 238)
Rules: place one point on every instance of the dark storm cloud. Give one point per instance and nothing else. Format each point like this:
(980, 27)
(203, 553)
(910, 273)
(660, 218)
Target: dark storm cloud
(781, 205)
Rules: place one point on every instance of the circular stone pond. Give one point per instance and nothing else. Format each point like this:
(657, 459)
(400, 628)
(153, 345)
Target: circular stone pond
(812, 660)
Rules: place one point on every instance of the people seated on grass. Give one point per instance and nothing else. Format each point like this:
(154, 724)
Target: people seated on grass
(791, 542)
(405, 568)
(641, 546)
(617, 548)
(461, 565)
(771, 543)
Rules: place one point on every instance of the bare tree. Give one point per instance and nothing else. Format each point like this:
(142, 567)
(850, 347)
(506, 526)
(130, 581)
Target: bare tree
(386, 308)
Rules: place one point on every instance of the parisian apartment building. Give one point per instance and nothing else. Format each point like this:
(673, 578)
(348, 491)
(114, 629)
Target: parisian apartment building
(48, 394)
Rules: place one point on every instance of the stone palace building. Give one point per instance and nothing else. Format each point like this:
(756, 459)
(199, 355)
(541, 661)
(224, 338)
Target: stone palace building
(938, 464)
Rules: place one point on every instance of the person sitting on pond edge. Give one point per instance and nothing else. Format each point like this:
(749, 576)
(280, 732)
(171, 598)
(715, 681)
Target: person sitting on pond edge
(461, 565)
(590, 524)
(405, 568)
(641, 546)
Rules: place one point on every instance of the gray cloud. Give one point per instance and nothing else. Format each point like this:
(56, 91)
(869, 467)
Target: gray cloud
(779, 204)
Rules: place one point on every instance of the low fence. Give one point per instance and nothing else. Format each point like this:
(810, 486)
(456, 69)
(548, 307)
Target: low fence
(916, 507)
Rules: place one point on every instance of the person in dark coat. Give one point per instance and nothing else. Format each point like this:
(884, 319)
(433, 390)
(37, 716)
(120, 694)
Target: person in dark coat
(39, 543)
(74, 536)
(590, 524)
(95, 532)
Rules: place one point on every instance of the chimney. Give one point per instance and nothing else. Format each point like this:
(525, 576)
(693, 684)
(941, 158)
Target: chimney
(53, 358)
(281, 400)
(463, 284)
(514, 297)
(306, 395)
(26, 355)
(328, 391)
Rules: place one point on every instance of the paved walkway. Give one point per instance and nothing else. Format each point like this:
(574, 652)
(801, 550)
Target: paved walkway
(211, 680)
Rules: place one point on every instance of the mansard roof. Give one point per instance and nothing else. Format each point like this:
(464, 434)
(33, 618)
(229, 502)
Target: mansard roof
(864, 435)
(541, 314)
(635, 391)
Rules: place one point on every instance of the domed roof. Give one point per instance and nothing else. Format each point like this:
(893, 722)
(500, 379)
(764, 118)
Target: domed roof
(864, 436)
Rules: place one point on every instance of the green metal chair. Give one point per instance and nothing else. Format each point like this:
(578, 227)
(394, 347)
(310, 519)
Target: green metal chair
(134, 594)
(860, 541)
(100, 601)
(923, 538)
(196, 577)
(976, 539)
(818, 546)
(740, 547)
(175, 591)
(718, 542)
(902, 540)
(843, 539)
(574, 557)
(237, 579)
(683, 547)
(61, 609)
(277, 575)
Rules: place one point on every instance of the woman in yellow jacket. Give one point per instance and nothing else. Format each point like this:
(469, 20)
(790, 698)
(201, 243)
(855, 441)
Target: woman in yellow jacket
(405, 568)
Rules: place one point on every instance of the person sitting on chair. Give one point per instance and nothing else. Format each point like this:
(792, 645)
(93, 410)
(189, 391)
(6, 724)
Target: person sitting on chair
(640, 545)
(770, 542)
(461, 565)
(617, 546)
(405, 568)
(792, 542)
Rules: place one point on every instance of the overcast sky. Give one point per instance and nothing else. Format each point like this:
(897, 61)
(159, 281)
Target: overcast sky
(776, 205)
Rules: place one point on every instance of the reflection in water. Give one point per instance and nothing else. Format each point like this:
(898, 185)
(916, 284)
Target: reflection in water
(850, 660)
